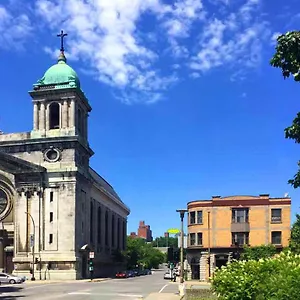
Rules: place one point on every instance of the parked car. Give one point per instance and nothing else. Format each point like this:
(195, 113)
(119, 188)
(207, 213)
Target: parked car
(9, 278)
(169, 275)
(137, 272)
(131, 273)
(122, 274)
(147, 272)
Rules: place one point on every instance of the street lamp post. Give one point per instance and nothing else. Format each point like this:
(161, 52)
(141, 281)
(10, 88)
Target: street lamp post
(33, 258)
(181, 212)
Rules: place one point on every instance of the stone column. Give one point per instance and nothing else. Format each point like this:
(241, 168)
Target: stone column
(124, 234)
(42, 117)
(65, 114)
(20, 223)
(120, 233)
(2, 251)
(103, 209)
(72, 114)
(35, 116)
(109, 229)
(47, 116)
(116, 234)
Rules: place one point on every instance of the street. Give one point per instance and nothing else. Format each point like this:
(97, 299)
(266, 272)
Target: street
(115, 289)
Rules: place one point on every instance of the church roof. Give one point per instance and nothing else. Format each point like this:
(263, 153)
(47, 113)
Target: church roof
(58, 76)
(106, 186)
(15, 165)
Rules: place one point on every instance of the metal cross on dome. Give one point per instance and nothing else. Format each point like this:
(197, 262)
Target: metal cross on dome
(62, 35)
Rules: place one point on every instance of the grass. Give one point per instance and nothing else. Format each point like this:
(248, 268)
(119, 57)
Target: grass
(200, 294)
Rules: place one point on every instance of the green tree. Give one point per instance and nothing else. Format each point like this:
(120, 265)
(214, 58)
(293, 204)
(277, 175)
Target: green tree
(165, 242)
(256, 253)
(295, 236)
(287, 58)
(142, 254)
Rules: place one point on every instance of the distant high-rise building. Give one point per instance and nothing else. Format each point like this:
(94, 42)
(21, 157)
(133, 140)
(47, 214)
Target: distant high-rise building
(145, 232)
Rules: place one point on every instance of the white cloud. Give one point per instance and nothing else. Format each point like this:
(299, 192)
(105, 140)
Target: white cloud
(105, 34)
(274, 37)
(142, 47)
(235, 41)
(14, 29)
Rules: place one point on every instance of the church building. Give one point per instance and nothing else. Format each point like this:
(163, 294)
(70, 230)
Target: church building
(54, 208)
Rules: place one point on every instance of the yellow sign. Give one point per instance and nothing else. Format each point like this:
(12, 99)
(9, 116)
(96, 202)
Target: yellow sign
(173, 230)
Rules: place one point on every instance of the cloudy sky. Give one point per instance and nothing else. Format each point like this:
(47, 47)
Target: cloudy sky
(185, 104)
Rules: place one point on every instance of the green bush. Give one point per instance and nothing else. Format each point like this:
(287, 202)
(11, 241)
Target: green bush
(274, 278)
(258, 252)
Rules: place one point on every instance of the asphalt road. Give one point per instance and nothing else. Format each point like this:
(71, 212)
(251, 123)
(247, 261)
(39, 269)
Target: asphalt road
(115, 289)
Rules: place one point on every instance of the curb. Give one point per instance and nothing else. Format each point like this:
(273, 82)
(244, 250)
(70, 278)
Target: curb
(28, 282)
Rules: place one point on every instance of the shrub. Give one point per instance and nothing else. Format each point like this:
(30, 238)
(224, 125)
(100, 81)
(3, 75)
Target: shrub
(256, 253)
(265, 279)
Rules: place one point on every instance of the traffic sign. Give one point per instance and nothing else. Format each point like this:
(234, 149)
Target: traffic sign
(92, 255)
(173, 231)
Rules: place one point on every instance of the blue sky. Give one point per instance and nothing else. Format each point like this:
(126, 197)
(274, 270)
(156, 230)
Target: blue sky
(185, 104)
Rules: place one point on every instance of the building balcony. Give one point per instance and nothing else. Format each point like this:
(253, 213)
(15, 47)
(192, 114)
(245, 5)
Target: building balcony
(240, 227)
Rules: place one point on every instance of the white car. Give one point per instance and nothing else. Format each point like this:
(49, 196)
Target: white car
(169, 275)
(8, 278)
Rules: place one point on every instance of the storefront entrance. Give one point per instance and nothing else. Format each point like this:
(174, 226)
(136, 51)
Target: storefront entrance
(195, 268)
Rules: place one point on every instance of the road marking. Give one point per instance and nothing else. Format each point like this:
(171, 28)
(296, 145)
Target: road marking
(163, 288)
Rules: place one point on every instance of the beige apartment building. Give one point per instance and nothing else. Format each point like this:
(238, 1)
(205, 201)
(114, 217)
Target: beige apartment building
(219, 228)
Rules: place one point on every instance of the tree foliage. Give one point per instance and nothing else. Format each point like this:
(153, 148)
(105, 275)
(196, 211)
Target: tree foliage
(295, 236)
(165, 242)
(259, 252)
(264, 279)
(142, 254)
(287, 58)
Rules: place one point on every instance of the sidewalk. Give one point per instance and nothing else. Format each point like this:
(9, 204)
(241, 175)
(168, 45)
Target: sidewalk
(163, 296)
(196, 284)
(65, 281)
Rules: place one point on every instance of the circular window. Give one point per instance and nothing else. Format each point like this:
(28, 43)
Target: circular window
(52, 155)
(3, 201)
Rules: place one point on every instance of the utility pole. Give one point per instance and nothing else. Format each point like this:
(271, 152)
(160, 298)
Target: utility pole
(181, 212)
(33, 242)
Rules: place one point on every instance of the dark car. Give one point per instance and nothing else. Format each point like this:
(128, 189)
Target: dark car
(122, 274)
(137, 272)
(147, 272)
(131, 273)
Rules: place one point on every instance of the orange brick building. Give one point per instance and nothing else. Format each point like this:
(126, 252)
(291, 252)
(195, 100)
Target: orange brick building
(145, 232)
(220, 227)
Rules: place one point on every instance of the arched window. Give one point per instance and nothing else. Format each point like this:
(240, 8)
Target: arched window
(54, 121)
(92, 222)
(99, 225)
(113, 231)
(3, 201)
(106, 228)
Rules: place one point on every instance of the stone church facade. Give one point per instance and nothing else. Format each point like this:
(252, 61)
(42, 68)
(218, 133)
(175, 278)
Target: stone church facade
(54, 208)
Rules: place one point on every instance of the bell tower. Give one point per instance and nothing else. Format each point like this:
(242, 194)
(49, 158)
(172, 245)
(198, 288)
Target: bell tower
(60, 107)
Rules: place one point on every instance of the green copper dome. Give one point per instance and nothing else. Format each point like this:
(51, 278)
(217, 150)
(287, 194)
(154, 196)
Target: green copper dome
(60, 75)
